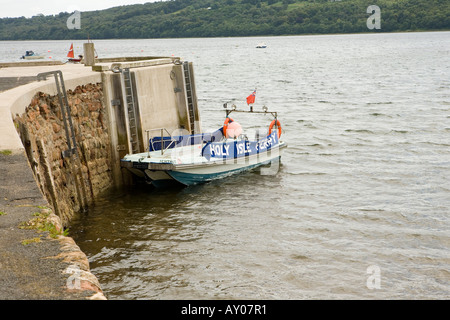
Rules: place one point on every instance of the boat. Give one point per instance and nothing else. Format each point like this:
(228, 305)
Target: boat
(71, 56)
(261, 45)
(30, 55)
(200, 158)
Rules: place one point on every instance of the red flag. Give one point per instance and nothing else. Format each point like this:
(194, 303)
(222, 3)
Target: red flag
(70, 54)
(251, 98)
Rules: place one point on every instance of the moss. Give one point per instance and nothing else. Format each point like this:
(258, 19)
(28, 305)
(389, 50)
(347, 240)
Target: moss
(41, 224)
(6, 152)
(28, 241)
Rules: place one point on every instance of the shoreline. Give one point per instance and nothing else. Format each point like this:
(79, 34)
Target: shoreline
(227, 37)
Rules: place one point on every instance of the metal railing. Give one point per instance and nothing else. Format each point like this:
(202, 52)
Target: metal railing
(163, 148)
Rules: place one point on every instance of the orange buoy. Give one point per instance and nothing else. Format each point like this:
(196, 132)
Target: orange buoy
(277, 122)
(225, 125)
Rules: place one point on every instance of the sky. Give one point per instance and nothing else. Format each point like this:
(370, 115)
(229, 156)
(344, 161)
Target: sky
(29, 8)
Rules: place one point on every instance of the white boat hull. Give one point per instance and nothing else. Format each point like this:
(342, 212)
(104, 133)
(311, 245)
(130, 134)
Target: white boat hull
(188, 166)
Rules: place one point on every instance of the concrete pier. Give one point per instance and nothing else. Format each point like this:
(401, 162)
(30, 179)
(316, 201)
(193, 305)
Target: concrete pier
(112, 106)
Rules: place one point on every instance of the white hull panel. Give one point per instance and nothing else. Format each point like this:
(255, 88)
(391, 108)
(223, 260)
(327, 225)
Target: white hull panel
(189, 165)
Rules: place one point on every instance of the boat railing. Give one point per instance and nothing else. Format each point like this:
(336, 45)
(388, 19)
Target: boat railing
(164, 142)
(152, 141)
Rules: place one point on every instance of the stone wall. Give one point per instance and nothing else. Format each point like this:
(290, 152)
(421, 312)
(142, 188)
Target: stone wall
(69, 183)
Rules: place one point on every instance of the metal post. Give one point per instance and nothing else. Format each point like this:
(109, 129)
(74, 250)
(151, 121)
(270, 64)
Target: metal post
(162, 141)
(71, 142)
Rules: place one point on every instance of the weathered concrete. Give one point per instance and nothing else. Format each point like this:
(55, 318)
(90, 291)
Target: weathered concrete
(30, 63)
(7, 83)
(111, 65)
(161, 102)
(154, 100)
(34, 265)
(89, 53)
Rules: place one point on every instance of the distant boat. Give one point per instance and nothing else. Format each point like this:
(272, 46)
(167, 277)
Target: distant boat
(261, 45)
(71, 55)
(30, 55)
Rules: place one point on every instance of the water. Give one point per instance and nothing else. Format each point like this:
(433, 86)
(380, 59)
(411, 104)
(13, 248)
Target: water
(363, 184)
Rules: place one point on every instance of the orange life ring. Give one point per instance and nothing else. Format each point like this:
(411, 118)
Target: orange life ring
(277, 122)
(225, 125)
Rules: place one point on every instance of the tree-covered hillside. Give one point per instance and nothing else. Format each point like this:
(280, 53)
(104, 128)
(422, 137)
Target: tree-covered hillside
(224, 18)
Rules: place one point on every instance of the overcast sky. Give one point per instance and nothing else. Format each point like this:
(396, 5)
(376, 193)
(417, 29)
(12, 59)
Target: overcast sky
(29, 8)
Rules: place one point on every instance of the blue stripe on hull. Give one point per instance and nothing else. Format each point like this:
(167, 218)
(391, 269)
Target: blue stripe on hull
(190, 179)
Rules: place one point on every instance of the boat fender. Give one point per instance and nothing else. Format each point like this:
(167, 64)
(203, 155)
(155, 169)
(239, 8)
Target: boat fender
(225, 125)
(277, 122)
